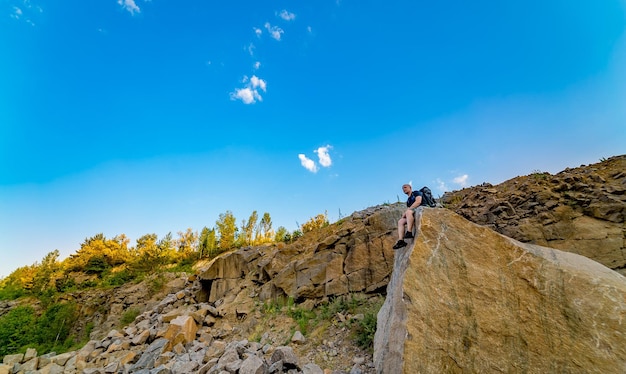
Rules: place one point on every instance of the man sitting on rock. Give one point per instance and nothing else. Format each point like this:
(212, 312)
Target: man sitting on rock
(408, 217)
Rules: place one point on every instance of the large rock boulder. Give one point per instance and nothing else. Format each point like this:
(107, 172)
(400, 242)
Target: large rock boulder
(465, 299)
(580, 210)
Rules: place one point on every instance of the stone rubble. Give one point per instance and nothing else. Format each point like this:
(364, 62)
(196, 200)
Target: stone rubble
(178, 335)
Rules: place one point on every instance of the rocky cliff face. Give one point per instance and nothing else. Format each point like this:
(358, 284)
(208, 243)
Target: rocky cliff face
(353, 255)
(579, 210)
(464, 299)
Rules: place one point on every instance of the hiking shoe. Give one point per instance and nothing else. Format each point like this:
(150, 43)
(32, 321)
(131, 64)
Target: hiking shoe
(408, 235)
(399, 244)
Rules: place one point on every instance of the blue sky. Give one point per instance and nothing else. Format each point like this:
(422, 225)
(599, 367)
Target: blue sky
(140, 117)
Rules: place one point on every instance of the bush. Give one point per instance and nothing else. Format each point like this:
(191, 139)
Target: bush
(156, 284)
(96, 265)
(129, 316)
(118, 278)
(365, 331)
(52, 329)
(11, 292)
(314, 223)
(16, 330)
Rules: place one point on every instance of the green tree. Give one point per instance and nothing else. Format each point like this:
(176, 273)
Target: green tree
(166, 247)
(265, 228)
(112, 251)
(207, 243)
(17, 283)
(227, 229)
(187, 243)
(282, 235)
(147, 253)
(20, 281)
(247, 228)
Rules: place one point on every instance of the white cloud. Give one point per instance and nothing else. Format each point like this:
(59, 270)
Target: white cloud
(287, 16)
(250, 93)
(129, 5)
(324, 159)
(307, 163)
(322, 153)
(247, 95)
(257, 31)
(257, 65)
(257, 83)
(25, 12)
(461, 180)
(250, 48)
(275, 31)
(17, 13)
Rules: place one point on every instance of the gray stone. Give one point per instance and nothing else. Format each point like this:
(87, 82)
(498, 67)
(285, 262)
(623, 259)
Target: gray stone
(154, 350)
(30, 365)
(286, 355)
(298, 338)
(180, 367)
(253, 365)
(111, 368)
(312, 368)
(52, 368)
(30, 354)
(161, 369)
(13, 359)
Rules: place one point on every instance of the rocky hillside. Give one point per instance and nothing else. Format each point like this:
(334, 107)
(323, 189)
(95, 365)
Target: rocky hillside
(580, 210)
(295, 307)
(299, 308)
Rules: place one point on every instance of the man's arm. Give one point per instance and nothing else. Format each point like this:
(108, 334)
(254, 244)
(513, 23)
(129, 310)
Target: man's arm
(418, 202)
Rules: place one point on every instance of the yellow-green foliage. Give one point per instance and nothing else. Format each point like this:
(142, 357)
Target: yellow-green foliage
(317, 222)
(98, 253)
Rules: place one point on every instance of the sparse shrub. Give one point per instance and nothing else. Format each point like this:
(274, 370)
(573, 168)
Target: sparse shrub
(118, 278)
(184, 266)
(295, 235)
(156, 284)
(301, 316)
(539, 175)
(365, 331)
(330, 309)
(129, 316)
(87, 284)
(88, 329)
(274, 306)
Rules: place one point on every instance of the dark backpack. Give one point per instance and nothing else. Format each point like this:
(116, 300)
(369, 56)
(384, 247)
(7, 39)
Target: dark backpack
(427, 197)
